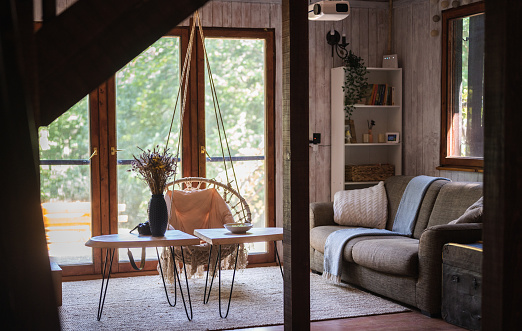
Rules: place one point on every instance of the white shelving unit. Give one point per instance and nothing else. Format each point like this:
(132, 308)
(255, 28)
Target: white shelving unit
(387, 119)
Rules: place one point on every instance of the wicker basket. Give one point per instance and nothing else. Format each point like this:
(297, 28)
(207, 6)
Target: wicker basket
(368, 172)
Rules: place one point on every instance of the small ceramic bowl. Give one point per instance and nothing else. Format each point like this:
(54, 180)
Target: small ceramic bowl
(238, 227)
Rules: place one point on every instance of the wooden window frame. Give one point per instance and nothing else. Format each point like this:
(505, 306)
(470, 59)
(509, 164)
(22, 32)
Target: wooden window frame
(198, 111)
(102, 105)
(453, 163)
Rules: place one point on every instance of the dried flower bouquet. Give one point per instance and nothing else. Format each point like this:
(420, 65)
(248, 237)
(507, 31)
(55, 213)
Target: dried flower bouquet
(155, 168)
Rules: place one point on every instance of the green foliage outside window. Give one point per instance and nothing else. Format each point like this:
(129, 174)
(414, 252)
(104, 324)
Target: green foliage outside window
(146, 91)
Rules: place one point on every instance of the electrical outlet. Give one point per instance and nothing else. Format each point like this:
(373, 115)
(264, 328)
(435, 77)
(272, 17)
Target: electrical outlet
(316, 139)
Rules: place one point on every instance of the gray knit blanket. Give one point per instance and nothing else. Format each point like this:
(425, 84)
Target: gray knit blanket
(403, 225)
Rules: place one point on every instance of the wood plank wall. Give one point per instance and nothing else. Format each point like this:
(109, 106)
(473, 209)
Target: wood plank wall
(366, 30)
(420, 57)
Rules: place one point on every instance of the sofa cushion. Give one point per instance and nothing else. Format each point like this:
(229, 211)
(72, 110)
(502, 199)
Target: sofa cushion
(472, 215)
(453, 200)
(398, 256)
(365, 207)
(319, 234)
(395, 187)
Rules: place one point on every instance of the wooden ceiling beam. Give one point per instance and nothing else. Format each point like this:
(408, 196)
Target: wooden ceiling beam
(91, 40)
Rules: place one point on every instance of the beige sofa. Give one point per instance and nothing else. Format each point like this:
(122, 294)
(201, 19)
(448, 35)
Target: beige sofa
(405, 269)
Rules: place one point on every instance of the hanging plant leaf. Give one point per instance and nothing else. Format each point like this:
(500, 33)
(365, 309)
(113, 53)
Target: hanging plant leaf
(355, 82)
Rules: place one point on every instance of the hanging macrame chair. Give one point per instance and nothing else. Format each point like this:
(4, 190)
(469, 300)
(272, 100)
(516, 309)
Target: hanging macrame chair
(196, 257)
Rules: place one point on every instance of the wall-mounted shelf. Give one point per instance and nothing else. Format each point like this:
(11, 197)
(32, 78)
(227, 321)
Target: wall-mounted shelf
(361, 183)
(372, 144)
(388, 118)
(376, 106)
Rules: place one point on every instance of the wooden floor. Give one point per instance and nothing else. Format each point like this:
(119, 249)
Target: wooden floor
(413, 321)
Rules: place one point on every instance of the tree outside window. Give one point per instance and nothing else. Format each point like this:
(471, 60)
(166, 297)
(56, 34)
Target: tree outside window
(462, 140)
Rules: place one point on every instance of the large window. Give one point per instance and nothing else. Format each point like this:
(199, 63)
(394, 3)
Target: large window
(462, 139)
(87, 189)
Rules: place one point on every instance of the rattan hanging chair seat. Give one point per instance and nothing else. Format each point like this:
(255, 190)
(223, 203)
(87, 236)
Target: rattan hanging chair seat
(201, 203)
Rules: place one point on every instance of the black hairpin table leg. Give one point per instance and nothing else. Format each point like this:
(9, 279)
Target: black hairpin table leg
(231, 285)
(278, 260)
(205, 296)
(186, 282)
(178, 283)
(165, 285)
(105, 284)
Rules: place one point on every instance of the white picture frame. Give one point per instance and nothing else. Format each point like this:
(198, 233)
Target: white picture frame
(392, 137)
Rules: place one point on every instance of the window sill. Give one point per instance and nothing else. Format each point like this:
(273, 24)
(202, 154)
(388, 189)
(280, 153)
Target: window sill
(461, 168)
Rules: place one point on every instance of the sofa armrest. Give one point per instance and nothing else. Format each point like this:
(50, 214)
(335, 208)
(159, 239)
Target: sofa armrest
(321, 213)
(432, 240)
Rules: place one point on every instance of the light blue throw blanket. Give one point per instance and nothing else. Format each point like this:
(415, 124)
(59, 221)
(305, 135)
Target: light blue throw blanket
(403, 225)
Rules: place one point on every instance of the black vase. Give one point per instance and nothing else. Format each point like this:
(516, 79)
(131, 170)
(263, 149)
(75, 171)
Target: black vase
(158, 215)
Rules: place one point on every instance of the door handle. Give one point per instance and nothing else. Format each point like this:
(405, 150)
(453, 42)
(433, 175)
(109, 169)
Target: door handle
(204, 151)
(114, 150)
(95, 152)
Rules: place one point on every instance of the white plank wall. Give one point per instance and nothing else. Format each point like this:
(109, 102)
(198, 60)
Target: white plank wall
(420, 57)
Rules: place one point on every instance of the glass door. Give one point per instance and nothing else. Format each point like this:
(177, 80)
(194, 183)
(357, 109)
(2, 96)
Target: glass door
(86, 154)
(65, 179)
(145, 95)
(242, 67)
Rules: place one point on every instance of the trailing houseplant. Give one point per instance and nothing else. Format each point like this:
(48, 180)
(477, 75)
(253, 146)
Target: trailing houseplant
(355, 82)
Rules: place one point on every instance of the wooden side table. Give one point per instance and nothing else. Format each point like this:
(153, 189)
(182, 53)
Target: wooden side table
(221, 236)
(113, 241)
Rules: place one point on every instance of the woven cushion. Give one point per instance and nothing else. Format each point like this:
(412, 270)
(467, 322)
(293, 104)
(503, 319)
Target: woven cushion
(472, 215)
(365, 208)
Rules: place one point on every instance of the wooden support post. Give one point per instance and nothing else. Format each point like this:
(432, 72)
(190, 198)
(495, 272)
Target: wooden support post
(502, 290)
(296, 240)
(27, 298)
(48, 10)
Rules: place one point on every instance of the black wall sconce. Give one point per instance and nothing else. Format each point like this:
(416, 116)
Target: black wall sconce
(332, 38)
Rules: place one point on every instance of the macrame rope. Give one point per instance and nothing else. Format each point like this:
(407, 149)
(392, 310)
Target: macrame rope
(217, 111)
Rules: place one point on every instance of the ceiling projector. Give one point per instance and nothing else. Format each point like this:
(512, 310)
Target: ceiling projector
(329, 10)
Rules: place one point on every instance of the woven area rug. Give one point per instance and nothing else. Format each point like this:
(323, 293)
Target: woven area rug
(139, 303)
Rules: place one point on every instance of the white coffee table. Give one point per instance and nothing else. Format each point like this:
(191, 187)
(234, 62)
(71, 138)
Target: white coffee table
(113, 241)
(221, 236)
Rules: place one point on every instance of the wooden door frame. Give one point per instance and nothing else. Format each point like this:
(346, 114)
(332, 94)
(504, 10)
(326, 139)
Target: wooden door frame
(112, 206)
(198, 111)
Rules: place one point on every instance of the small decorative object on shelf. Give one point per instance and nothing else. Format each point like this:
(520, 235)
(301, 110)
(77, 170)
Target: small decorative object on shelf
(348, 137)
(371, 124)
(156, 168)
(350, 129)
(392, 137)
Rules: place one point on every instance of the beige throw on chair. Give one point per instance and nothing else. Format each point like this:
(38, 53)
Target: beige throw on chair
(199, 209)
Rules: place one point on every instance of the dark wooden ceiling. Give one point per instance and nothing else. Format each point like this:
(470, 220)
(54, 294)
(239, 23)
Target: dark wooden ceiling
(92, 40)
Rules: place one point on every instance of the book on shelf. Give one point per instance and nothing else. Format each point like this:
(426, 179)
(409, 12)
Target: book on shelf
(380, 95)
